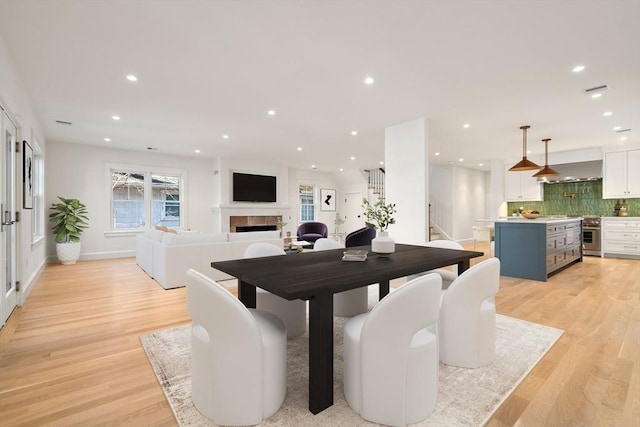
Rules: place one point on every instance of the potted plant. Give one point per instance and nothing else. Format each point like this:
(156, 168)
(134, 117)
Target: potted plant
(68, 219)
(280, 223)
(338, 221)
(379, 216)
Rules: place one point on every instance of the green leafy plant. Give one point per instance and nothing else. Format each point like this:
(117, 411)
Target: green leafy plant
(69, 219)
(338, 221)
(379, 215)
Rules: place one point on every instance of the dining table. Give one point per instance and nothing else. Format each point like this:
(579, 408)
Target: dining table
(316, 276)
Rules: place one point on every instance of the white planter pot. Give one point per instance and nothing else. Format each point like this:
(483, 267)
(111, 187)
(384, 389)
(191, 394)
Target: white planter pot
(383, 244)
(68, 253)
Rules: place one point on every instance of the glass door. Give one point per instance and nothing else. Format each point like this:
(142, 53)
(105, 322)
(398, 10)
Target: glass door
(9, 297)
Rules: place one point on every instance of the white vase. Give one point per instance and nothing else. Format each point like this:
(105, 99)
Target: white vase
(68, 253)
(383, 244)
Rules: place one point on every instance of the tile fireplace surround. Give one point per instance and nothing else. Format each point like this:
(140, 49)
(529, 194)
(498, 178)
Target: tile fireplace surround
(251, 221)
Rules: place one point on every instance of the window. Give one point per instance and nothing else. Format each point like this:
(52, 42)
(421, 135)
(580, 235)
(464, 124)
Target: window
(140, 197)
(307, 203)
(38, 212)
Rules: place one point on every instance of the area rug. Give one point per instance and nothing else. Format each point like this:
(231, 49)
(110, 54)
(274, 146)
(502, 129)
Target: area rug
(466, 397)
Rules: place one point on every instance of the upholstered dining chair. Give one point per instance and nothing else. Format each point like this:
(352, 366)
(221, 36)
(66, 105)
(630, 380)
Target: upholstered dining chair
(292, 313)
(467, 326)
(391, 355)
(238, 356)
(312, 231)
(360, 237)
(347, 303)
(448, 276)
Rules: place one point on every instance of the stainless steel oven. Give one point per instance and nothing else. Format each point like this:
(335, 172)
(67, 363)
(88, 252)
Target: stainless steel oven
(591, 236)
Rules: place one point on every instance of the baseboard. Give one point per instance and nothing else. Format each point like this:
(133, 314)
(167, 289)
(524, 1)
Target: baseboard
(27, 285)
(98, 255)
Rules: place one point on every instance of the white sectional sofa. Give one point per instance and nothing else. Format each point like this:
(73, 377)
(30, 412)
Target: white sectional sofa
(166, 256)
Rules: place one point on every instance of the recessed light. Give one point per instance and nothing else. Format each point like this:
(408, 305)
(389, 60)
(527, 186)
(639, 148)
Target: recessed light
(225, 136)
(607, 113)
(382, 163)
(197, 151)
(115, 117)
(528, 151)
(624, 138)
(271, 112)
(617, 127)
(480, 164)
(578, 68)
(369, 80)
(354, 132)
(313, 166)
(107, 139)
(466, 125)
(132, 78)
(461, 159)
(353, 158)
(596, 95)
(341, 169)
(437, 154)
(299, 148)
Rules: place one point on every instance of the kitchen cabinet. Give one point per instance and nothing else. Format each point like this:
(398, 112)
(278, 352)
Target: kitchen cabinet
(537, 249)
(521, 186)
(621, 174)
(621, 237)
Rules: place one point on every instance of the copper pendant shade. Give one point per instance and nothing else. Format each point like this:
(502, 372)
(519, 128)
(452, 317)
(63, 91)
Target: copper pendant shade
(546, 170)
(524, 164)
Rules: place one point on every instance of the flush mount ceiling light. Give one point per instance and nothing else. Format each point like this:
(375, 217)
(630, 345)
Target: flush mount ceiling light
(524, 164)
(546, 170)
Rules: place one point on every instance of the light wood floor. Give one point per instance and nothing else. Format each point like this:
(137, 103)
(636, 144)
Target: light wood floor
(71, 355)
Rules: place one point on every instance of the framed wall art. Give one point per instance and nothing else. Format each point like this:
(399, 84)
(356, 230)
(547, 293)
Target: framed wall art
(327, 200)
(27, 176)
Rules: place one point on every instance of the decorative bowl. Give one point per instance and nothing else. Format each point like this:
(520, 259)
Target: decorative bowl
(531, 215)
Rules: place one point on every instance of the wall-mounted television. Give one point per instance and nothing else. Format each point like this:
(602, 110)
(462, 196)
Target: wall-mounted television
(253, 188)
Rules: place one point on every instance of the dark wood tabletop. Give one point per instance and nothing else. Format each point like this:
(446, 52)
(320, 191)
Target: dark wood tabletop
(316, 276)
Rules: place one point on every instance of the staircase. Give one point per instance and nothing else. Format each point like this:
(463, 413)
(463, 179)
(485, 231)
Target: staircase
(375, 181)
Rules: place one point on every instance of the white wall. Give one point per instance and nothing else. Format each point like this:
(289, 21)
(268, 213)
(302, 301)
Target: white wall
(79, 171)
(440, 191)
(321, 180)
(469, 200)
(15, 99)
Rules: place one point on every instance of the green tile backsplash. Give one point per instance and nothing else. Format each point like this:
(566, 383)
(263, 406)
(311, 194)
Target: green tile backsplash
(576, 198)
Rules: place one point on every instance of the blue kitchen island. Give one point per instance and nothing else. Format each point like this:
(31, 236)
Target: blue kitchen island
(537, 248)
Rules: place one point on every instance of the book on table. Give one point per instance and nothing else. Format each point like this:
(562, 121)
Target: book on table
(355, 255)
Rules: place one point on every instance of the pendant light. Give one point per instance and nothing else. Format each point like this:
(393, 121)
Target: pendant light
(524, 164)
(546, 170)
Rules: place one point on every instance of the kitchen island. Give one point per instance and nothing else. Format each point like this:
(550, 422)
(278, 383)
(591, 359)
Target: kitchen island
(537, 248)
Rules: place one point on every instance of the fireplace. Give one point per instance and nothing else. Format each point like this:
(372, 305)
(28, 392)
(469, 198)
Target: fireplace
(239, 224)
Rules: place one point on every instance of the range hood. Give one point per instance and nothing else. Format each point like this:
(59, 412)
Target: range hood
(575, 172)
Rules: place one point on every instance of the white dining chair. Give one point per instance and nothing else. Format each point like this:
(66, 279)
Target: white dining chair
(292, 313)
(238, 356)
(448, 275)
(347, 303)
(391, 355)
(467, 326)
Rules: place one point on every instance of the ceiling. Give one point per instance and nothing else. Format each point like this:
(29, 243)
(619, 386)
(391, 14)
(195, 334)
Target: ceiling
(211, 68)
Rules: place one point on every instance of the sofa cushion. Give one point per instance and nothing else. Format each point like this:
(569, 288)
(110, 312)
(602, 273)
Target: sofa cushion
(183, 239)
(254, 235)
(153, 234)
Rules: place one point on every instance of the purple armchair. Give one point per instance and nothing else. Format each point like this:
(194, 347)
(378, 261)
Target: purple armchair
(360, 237)
(312, 231)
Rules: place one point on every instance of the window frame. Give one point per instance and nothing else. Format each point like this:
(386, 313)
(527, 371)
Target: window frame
(314, 202)
(147, 172)
(38, 211)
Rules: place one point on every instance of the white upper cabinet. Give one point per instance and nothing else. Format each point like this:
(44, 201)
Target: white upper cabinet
(521, 186)
(621, 174)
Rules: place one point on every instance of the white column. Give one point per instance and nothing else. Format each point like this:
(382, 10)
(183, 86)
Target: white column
(496, 204)
(407, 180)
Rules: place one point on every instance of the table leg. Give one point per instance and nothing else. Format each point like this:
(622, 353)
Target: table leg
(247, 294)
(463, 265)
(320, 352)
(383, 289)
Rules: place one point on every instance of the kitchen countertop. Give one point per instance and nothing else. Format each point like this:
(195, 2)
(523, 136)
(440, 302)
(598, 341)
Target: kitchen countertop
(542, 219)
